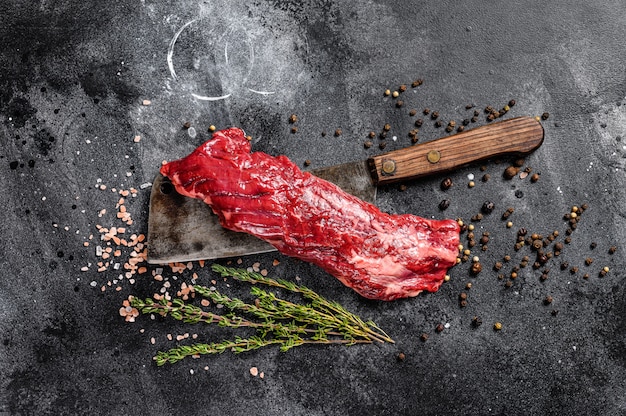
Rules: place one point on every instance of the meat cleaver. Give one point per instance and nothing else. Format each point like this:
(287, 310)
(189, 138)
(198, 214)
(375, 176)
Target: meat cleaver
(182, 229)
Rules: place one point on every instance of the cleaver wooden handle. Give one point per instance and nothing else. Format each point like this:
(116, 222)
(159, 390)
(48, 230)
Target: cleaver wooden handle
(516, 136)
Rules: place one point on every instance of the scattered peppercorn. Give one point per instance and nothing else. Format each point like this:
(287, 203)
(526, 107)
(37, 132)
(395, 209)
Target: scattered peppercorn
(395, 94)
(426, 111)
(438, 123)
(293, 118)
(548, 300)
(367, 144)
(534, 178)
(488, 207)
(294, 130)
(444, 204)
(412, 112)
(497, 326)
(401, 356)
(387, 127)
(511, 103)
(338, 132)
(424, 337)
(399, 103)
(435, 115)
(476, 322)
(439, 328)
(545, 116)
(486, 177)
(612, 250)
(187, 125)
(476, 268)
(446, 184)
(307, 162)
(588, 261)
(382, 145)
(510, 172)
(419, 122)
(402, 88)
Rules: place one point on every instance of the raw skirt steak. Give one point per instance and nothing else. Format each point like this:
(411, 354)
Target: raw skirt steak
(380, 256)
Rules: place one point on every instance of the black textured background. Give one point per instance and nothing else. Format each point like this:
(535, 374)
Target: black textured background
(73, 78)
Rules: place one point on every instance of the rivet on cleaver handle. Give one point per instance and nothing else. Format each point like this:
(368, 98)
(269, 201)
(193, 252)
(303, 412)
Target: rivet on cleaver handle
(520, 135)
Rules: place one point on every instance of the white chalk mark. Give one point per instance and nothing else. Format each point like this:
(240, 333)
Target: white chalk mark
(228, 32)
(205, 98)
(170, 49)
(262, 92)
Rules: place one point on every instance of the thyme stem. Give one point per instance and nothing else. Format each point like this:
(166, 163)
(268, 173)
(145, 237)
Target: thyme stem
(276, 321)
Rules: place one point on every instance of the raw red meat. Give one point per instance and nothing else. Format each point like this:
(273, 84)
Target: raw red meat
(380, 256)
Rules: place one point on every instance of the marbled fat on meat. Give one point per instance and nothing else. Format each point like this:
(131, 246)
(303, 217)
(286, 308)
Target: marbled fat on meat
(380, 256)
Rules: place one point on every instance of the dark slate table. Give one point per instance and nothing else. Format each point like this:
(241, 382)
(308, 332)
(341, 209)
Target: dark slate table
(94, 95)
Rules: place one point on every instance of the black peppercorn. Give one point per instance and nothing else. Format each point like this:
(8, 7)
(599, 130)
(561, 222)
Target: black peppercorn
(476, 322)
(435, 115)
(446, 184)
(488, 207)
(444, 204)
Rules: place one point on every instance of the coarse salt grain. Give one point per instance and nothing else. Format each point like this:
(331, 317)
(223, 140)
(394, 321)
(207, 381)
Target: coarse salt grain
(254, 371)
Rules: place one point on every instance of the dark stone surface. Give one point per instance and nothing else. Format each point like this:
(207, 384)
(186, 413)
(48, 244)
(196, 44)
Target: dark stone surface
(73, 79)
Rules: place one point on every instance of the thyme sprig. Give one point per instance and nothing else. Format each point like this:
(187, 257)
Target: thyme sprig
(277, 321)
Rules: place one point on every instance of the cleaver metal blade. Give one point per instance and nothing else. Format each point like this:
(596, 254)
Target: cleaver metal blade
(182, 229)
